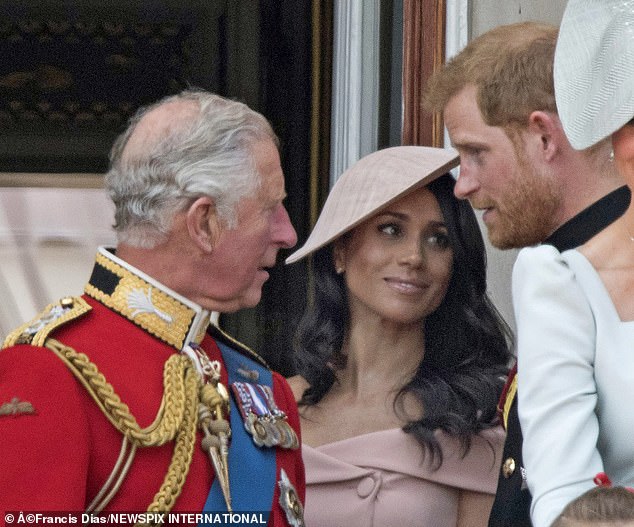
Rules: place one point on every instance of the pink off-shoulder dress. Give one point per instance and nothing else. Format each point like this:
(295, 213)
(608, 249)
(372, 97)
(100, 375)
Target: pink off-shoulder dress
(383, 479)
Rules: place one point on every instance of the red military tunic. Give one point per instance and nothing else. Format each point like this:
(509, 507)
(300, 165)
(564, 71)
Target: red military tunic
(57, 445)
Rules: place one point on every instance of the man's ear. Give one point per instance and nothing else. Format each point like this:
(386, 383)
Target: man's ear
(203, 224)
(547, 129)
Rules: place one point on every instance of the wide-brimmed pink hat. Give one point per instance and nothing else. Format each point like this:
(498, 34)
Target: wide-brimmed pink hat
(370, 185)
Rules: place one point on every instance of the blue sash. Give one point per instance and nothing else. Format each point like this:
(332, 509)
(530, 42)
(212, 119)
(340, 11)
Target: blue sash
(252, 469)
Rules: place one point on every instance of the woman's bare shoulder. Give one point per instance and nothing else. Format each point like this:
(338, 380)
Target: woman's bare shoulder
(605, 248)
(298, 385)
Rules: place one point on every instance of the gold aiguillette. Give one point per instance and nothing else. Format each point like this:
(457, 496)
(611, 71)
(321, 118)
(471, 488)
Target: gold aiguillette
(212, 411)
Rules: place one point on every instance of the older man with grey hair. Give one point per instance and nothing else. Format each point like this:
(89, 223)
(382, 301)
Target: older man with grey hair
(126, 399)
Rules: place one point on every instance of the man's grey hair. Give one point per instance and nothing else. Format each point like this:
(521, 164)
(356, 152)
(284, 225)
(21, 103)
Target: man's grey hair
(208, 155)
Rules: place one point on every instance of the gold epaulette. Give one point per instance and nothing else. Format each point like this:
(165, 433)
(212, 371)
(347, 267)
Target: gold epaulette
(36, 331)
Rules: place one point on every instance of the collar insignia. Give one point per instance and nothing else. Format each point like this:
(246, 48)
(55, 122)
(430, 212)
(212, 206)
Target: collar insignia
(147, 303)
(142, 303)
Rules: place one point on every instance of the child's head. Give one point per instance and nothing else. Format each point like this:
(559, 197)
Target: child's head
(599, 507)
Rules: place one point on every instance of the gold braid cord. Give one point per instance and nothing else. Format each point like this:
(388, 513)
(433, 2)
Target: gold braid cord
(177, 417)
(183, 450)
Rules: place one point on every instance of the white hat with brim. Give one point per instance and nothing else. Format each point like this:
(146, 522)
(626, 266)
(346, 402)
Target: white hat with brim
(370, 185)
(594, 69)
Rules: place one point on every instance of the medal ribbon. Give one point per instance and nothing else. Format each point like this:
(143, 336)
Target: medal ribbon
(250, 400)
(268, 396)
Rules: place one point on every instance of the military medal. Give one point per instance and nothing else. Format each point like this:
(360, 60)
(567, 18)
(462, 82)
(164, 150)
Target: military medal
(261, 416)
(288, 438)
(253, 412)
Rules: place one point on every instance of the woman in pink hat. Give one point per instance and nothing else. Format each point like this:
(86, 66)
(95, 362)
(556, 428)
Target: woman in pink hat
(401, 356)
(575, 309)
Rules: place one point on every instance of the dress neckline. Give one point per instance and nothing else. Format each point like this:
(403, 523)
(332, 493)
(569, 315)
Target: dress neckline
(359, 437)
(593, 275)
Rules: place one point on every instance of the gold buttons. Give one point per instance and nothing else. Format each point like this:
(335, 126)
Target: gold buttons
(67, 302)
(508, 467)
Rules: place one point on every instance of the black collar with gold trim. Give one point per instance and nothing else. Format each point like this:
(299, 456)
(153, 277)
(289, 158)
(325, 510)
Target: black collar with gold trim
(228, 340)
(146, 302)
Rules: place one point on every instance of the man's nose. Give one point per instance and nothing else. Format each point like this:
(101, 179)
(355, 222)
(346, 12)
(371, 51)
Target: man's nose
(466, 184)
(283, 232)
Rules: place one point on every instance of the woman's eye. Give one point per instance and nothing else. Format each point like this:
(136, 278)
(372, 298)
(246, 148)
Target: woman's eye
(390, 229)
(440, 240)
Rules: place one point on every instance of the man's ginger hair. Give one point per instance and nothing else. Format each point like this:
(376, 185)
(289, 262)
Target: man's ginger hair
(511, 67)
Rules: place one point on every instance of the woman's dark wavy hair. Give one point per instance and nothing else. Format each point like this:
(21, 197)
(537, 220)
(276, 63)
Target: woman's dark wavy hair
(467, 343)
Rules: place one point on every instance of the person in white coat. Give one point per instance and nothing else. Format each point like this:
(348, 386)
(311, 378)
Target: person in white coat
(575, 309)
